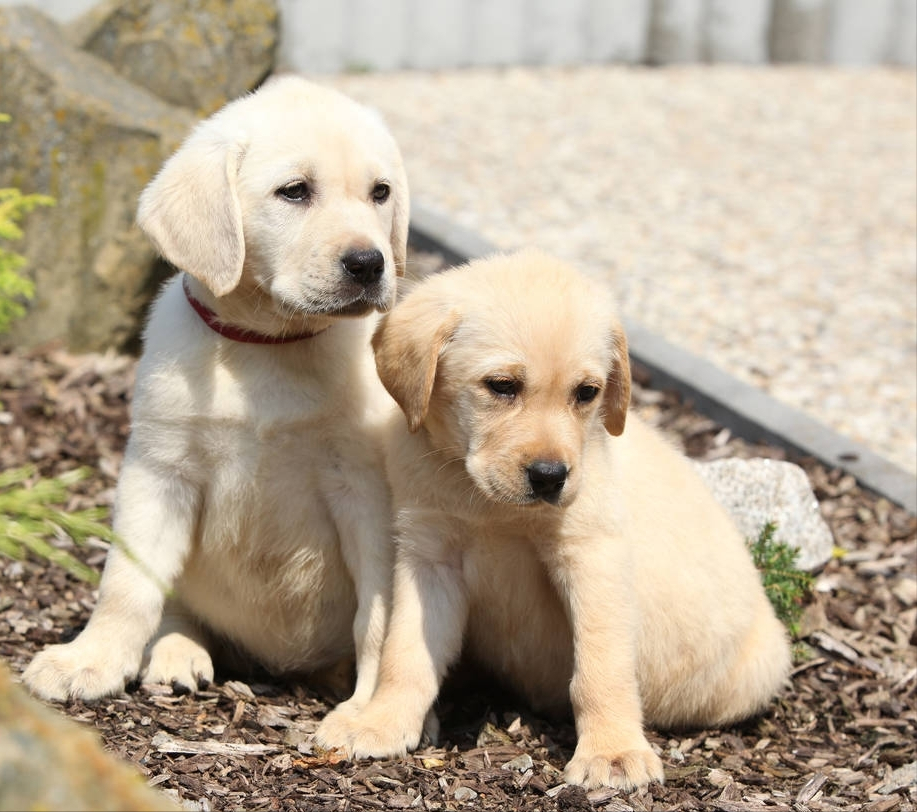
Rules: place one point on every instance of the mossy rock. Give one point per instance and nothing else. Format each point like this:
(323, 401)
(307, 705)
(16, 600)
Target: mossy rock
(92, 140)
(193, 53)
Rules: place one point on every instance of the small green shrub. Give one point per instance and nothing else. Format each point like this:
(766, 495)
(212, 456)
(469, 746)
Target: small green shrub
(30, 515)
(785, 584)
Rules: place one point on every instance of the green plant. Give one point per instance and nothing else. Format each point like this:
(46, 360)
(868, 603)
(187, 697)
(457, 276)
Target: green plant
(14, 289)
(785, 584)
(29, 515)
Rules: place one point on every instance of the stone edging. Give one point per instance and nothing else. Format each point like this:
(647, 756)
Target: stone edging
(743, 409)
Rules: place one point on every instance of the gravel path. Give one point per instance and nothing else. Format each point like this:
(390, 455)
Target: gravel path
(765, 219)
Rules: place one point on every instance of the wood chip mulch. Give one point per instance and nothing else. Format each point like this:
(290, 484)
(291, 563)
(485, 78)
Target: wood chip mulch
(840, 737)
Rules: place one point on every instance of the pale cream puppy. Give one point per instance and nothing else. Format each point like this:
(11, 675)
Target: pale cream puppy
(525, 509)
(252, 486)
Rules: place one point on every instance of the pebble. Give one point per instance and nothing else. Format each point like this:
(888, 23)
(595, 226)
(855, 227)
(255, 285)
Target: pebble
(900, 778)
(463, 794)
(520, 763)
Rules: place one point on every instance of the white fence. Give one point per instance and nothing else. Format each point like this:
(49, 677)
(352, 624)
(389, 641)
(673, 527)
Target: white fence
(326, 36)
(322, 36)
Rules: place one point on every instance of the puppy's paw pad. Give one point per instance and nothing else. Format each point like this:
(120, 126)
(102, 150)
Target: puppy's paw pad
(627, 770)
(67, 672)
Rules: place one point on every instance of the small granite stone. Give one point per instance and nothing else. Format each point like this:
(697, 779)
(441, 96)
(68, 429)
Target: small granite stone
(758, 491)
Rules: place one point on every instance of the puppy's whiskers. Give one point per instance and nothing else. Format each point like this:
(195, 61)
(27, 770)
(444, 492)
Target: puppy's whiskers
(455, 450)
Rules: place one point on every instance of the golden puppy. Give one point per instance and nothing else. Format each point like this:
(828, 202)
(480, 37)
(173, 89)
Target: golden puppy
(582, 561)
(252, 484)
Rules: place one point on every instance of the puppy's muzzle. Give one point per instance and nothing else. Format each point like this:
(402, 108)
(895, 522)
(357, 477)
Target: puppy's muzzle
(547, 479)
(365, 267)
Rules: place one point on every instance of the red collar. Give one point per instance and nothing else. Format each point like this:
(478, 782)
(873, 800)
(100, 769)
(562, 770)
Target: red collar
(237, 333)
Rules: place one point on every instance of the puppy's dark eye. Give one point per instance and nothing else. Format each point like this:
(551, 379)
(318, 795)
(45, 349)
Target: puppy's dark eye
(296, 192)
(503, 387)
(586, 393)
(381, 192)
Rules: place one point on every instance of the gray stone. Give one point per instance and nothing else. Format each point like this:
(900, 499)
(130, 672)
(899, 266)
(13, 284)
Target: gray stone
(903, 777)
(198, 54)
(758, 491)
(520, 763)
(92, 140)
(464, 794)
(49, 762)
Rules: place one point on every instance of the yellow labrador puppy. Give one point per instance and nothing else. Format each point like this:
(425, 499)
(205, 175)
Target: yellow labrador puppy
(252, 493)
(583, 561)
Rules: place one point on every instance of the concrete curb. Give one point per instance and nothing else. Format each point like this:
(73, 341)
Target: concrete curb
(743, 409)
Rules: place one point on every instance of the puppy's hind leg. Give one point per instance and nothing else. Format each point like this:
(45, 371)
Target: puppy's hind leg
(760, 669)
(178, 654)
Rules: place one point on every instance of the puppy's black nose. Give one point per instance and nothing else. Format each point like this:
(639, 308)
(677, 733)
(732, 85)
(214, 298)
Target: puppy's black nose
(547, 479)
(365, 267)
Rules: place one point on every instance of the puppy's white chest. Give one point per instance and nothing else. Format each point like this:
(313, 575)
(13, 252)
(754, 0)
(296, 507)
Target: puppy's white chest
(267, 447)
(268, 543)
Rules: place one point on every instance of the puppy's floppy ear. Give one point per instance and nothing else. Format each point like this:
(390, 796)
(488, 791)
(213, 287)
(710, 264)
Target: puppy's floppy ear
(191, 210)
(617, 387)
(400, 219)
(408, 343)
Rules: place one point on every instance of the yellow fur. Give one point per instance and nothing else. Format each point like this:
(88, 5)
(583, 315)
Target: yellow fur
(633, 597)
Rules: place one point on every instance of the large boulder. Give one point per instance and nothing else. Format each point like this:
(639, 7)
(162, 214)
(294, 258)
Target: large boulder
(92, 140)
(193, 53)
(96, 108)
(49, 762)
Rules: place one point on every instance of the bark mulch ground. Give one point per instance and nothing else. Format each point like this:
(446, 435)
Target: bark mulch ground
(841, 736)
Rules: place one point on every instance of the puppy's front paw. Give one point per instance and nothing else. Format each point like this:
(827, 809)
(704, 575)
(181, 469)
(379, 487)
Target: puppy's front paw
(370, 733)
(78, 670)
(336, 730)
(177, 660)
(626, 770)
